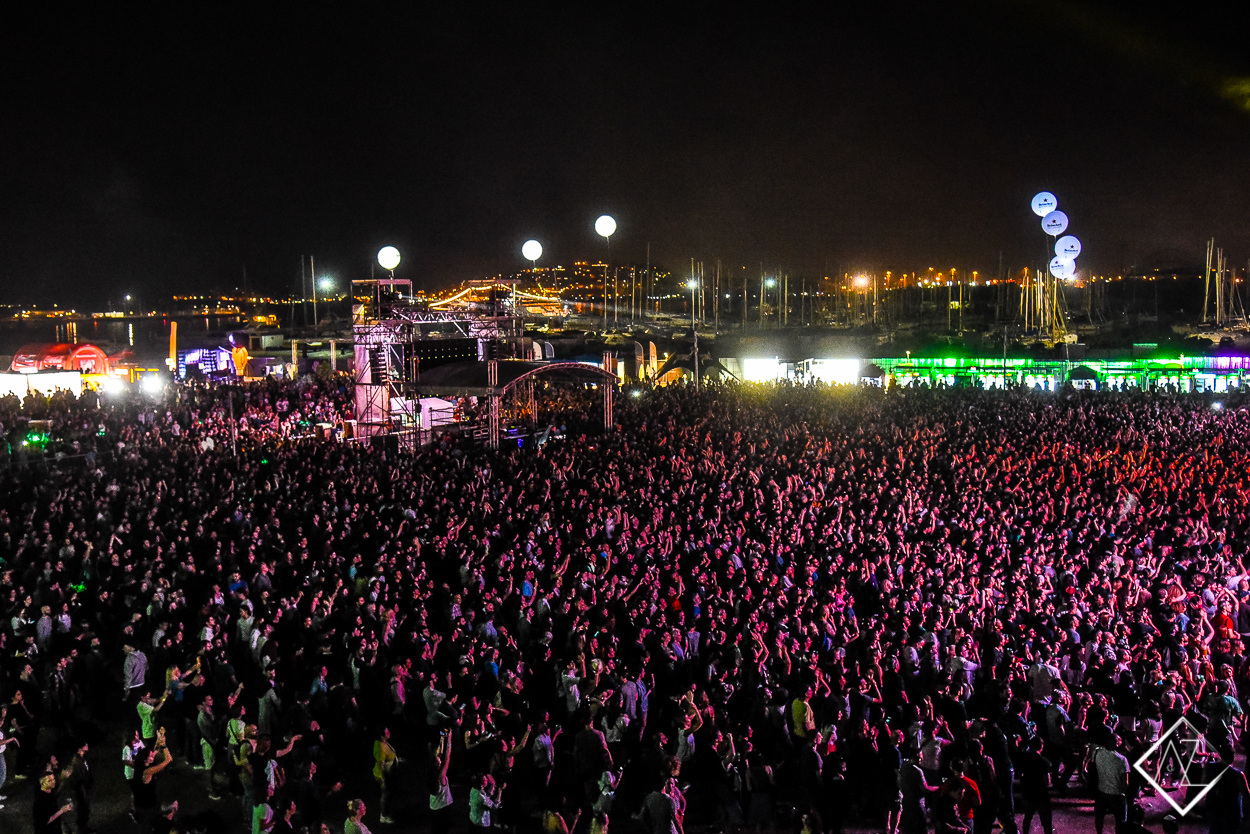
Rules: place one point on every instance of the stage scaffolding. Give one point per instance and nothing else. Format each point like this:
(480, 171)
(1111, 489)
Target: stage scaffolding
(392, 333)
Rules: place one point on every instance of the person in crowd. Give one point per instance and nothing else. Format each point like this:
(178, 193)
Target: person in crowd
(4, 744)
(143, 785)
(385, 762)
(355, 822)
(442, 810)
(46, 809)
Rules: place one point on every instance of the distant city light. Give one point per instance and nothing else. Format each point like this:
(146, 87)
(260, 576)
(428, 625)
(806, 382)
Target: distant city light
(388, 257)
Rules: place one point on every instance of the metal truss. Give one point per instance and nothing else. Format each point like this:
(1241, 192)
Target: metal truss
(386, 331)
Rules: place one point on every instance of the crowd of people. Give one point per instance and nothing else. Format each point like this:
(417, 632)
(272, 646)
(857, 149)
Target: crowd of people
(750, 608)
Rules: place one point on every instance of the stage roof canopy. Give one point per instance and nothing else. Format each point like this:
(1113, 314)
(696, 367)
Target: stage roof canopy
(469, 378)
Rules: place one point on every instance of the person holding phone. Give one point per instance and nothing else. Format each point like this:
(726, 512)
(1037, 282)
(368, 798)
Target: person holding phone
(441, 811)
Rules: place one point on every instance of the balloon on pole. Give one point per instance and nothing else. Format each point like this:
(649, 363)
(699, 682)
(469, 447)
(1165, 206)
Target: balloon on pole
(1068, 246)
(388, 257)
(1062, 267)
(1044, 203)
(1055, 223)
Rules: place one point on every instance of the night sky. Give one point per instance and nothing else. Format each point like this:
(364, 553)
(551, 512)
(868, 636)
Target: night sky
(159, 152)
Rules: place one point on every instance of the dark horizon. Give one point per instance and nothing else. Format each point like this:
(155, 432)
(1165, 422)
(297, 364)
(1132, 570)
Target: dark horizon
(156, 156)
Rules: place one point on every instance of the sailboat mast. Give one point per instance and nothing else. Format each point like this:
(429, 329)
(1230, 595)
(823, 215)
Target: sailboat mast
(646, 282)
(1206, 277)
(718, 295)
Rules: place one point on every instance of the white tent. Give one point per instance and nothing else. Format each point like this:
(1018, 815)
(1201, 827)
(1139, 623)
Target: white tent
(44, 382)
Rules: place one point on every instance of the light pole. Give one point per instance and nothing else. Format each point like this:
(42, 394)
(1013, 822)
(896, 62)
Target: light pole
(531, 250)
(127, 310)
(694, 331)
(327, 287)
(769, 283)
(861, 284)
(606, 227)
(312, 273)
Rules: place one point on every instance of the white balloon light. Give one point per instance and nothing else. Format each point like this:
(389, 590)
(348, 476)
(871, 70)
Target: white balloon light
(1044, 203)
(1062, 267)
(532, 250)
(606, 225)
(1068, 246)
(1055, 223)
(388, 257)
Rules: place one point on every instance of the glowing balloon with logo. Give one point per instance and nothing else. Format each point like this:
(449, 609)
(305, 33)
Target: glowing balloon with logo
(1055, 223)
(1044, 203)
(1068, 246)
(1062, 267)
